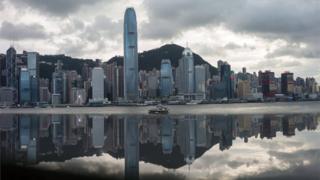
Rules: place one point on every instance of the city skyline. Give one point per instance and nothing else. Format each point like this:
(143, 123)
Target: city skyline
(252, 39)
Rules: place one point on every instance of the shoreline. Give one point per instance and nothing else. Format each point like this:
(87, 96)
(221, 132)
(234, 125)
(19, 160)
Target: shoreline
(219, 109)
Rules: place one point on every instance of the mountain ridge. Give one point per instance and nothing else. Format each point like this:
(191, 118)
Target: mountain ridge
(147, 60)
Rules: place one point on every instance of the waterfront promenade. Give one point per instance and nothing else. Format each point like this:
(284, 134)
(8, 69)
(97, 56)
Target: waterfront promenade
(242, 108)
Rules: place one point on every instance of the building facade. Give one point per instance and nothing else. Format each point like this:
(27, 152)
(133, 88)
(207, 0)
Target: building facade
(287, 83)
(97, 84)
(11, 68)
(131, 91)
(25, 89)
(166, 78)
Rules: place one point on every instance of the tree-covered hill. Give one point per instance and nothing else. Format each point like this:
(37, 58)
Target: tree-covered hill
(147, 60)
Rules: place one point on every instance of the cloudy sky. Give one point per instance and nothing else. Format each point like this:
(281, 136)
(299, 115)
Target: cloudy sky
(265, 34)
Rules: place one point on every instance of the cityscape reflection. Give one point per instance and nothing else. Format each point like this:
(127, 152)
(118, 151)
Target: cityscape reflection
(170, 141)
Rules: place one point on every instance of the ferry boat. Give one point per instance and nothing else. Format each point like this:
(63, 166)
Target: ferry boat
(159, 109)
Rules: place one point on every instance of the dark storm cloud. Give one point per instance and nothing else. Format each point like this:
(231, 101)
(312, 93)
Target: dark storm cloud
(292, 20)
(54, 7)
(21, 31)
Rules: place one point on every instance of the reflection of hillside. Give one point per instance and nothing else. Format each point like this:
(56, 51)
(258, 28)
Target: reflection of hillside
(169, 141)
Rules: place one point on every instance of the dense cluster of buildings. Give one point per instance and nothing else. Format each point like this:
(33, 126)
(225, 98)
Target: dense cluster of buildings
(169, 141)
(22, 85)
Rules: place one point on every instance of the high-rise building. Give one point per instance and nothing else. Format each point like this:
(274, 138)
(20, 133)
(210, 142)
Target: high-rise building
(268, 84)
(287, 83)
(34, 85)
(7, 96)
(311, 85)
(33, 64)
(25, 89)
(44, 93)
(200, 81)
(226, 79)
(97, 84)
(243, 89)
(85, 72)
(114, 77)
(131, 91)
(185, 73)
(166, 78)
(11, 68)
(59, 85)
(2, 70)
(219, 64)
(71, 77)
(153, 83)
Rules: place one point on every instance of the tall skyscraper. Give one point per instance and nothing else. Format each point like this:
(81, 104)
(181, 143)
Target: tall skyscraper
(225, 76)
(287, 83)
(200, 81)
(97, 84)
(185, 73)
(2, 70)
(25, 90)
(166, 78)
(131, 92)
(33, 64)
(58, 85)
(11, 68)
(153, 83)
(268, 84)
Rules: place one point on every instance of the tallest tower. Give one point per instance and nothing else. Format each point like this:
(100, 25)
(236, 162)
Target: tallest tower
(130, 36)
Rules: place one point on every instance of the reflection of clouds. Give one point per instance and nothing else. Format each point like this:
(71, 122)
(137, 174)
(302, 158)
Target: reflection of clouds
(259, 158)
(97, 165)
(304, 164)
(105, 165)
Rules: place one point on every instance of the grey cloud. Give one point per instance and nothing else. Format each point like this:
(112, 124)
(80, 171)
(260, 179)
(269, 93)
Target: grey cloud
(1, 5)
(295, 50)
(21, 31)
(276, 63)
(102, 28)
(292, 20)
(90, 38)
(54, 7)
(169, 18)
(234, 46)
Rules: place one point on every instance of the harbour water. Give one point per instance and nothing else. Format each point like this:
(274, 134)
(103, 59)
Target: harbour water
(196, 144)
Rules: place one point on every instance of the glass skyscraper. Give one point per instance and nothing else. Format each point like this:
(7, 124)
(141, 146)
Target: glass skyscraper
(166, 78)
(130, 34)
(225, 75)
(25, 90)
(185, 73)
(33, 63)
(11, 66)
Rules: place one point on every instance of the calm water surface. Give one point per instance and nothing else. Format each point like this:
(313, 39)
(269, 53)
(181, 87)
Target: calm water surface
(191, 146)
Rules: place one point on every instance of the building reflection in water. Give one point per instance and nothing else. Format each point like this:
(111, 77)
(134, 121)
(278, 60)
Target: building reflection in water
(169, 141)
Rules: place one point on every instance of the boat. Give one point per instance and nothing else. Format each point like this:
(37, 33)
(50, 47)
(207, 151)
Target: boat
(159, 109)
